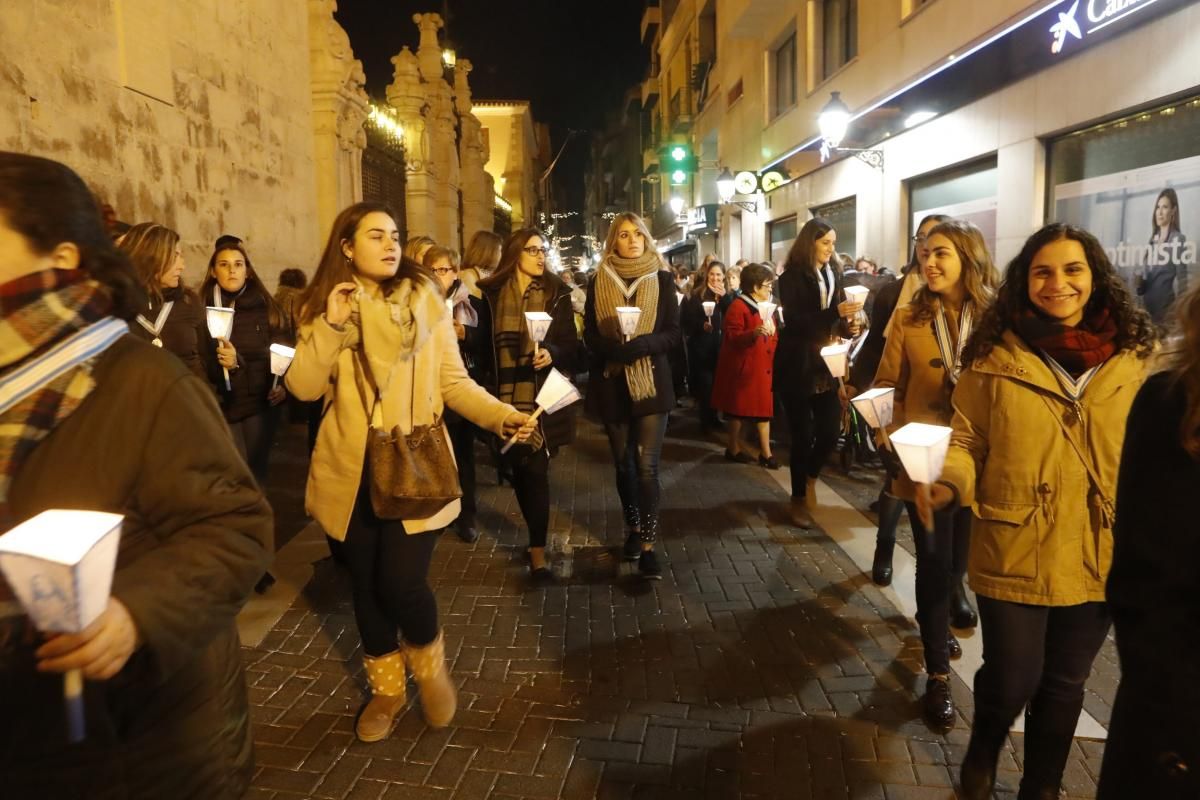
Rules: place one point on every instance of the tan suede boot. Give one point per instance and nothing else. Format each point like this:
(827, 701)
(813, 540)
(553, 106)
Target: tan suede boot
(439, 699)
(387, 680)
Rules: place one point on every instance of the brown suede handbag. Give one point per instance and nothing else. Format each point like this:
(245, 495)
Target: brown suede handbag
(413, 476)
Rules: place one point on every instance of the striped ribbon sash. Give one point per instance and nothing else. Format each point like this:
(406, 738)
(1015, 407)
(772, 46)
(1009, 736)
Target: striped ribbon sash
(952, 355)
(67, 354)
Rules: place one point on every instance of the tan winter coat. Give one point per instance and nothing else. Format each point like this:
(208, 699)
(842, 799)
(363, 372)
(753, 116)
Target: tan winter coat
(912, 365)
(417, 384)
(1042, 534)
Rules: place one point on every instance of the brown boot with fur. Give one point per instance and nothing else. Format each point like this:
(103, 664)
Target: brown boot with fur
(387, 680)
(439, 698)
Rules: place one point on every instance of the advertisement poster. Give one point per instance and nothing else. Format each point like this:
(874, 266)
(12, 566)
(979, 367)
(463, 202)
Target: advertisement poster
(1148, 220)
(981, 213)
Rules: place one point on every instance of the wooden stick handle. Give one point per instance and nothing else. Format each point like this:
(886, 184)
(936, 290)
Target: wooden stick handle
(513, 439)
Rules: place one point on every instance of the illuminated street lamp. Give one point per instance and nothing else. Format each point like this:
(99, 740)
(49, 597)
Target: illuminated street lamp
(834, 122)
(449, 58)
(676, 203)
(727, 188)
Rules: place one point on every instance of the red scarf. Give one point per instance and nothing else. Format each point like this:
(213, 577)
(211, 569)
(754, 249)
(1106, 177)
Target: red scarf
(1088, 344)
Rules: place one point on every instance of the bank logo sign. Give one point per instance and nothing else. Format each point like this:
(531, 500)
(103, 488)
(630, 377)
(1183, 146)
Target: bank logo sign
(1099, 14)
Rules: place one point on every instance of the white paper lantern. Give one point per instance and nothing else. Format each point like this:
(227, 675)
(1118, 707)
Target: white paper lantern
(628, 317)
(857, 294)
(709, 307)
(220, 322)
(538, 323)
(836, 357)
(766, 310)
(281, 358)
(922, 450)
(876, 406)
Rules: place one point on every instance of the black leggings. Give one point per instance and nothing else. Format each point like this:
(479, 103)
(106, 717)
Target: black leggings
(814, 422)
(939, 556)
(389, 569)
(636, 449)
(531, 482)
(462, 438)
(253, 437)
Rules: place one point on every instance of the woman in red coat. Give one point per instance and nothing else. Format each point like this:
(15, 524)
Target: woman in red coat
(742, 387)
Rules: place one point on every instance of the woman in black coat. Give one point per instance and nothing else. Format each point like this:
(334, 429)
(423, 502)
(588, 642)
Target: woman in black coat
(248, 400)
(1153, 588)
(174, 317)
(815, 312)
(511, 371)
(630, 387)
(703, 334)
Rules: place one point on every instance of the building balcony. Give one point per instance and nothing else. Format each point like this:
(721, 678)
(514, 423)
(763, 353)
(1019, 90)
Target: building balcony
(649, 92)
(650, 160)
(651, 21)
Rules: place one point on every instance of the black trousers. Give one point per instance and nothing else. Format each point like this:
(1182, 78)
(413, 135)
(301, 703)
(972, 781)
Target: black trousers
(462, 439)
(814, 422)
(636, 448)
(701, 385)
(389, 568)
(531, 482)
(1037, 657)
(253, 437)
(939, 554)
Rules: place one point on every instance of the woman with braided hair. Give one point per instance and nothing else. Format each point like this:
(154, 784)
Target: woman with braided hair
(630, 386)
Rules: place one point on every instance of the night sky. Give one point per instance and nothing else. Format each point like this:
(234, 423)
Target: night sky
(573, 59)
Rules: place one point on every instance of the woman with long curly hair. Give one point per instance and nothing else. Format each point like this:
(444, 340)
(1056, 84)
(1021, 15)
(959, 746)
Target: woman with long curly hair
(1040, 410)
(1154, 588)
(922, 362)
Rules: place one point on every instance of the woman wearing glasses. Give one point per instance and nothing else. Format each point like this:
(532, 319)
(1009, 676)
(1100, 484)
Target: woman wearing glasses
(815, 312)
(630, 388)
(514, 372)
(443, 263)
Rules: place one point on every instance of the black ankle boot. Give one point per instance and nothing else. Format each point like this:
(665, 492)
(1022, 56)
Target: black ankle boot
(885, 539)
(961, 613)
(978, 774)
(1047, 747)
(881, 566)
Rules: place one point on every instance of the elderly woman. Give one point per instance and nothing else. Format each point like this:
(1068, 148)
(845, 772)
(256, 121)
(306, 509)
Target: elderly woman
(125, 428)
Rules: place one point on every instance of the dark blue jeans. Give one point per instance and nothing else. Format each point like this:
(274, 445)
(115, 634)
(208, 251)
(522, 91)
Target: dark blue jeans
(636, 449)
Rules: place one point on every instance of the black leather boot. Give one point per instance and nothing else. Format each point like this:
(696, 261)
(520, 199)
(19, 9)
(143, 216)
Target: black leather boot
(885, 539)
(1047, 746)
(961, 613)
(978, 774)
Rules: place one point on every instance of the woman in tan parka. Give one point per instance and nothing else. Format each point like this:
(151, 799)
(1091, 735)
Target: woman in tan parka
(922, 362)
(1038, 427)
(374, 325)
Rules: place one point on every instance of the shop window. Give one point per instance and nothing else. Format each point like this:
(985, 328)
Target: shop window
(781, 233)
(1134, 182)
(966, 192)
(783, 76)
(843, 216)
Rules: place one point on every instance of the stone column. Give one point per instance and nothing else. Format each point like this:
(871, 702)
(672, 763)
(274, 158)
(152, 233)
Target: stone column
(339, 110)
(476, 188)
(406, 94)
(442, 127)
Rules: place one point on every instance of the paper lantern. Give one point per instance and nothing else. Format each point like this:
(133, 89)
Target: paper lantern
(628, 317)
(556, 394)
(709, 308)
(922, 450)
(220, 322)
(538, 323)
(876, 406)
(836, 357)
(766, 310)
(857, 294)
(281, 358)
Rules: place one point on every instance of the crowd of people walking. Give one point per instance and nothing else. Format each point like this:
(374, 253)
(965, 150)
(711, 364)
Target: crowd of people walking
(1076, 435)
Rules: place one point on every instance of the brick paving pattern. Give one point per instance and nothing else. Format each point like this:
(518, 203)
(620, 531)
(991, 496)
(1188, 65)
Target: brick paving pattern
(763, 665)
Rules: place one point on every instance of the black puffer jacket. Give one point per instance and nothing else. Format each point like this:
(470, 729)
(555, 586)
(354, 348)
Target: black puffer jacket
(185, 331)
(558, 429)
(702, 346)
(252, 337)
(806, 328)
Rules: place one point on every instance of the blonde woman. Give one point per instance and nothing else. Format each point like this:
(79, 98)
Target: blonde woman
(630, 386)
(377, 344)
(480, 260)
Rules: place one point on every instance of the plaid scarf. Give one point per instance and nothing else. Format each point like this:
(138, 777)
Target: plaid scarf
(629, 282)
(37, 312)
(1078, 349)
(516, 382)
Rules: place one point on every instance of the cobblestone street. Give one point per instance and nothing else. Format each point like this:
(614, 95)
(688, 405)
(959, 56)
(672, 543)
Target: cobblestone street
(765, 664)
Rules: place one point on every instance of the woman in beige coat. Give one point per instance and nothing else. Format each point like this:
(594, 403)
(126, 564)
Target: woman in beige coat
(922, 362)
(1038, 427)
(376, 343)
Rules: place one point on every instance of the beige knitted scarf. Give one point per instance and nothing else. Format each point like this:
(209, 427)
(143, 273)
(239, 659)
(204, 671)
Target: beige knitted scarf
(629, 282)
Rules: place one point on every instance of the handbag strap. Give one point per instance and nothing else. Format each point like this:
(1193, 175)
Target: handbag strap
(375, 407)
(1109, 507)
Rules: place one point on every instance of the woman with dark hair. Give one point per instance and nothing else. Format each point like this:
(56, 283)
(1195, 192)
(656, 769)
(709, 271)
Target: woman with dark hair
(1040, 410)
(922, 362)
(248, 400)
(377, 345)
(1156, 284)
(1153, 589)
(291, 285)
(862, 374)
(513, 373)
(97, 419)
(742, 388)
(480, 259)
(702, 331)
(630, 387)
(815, 311)
(174, 317)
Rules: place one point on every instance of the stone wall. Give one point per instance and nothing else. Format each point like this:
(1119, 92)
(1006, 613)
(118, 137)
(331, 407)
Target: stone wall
(195, 114)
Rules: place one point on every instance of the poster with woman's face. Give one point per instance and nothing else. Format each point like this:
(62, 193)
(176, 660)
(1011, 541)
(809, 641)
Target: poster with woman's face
(1148, 220)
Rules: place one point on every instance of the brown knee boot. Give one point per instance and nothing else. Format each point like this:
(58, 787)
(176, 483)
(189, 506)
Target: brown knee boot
(387, 680)
(439, 699)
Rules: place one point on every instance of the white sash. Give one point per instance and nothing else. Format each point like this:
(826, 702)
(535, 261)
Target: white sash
(67, 354)
(1072, 386)
(629, 290)
(827, 281)
(157, 327)
(952, 356)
